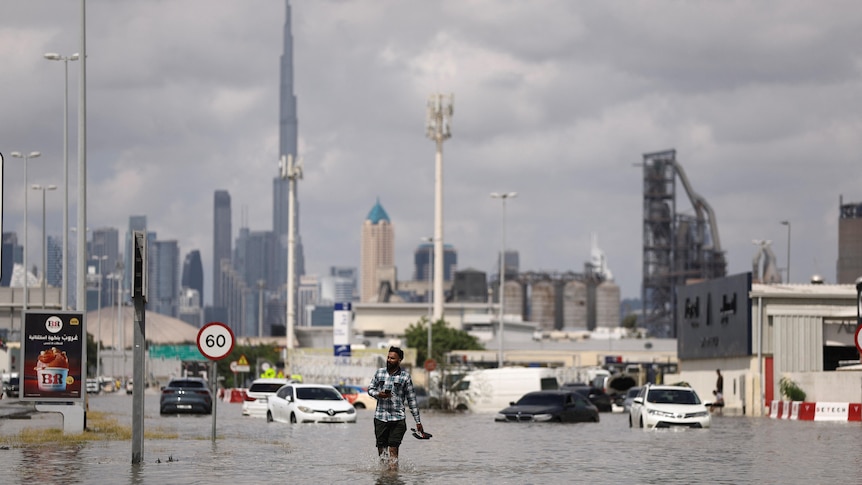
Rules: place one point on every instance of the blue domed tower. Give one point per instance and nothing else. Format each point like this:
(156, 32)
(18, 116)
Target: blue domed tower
(377, 258)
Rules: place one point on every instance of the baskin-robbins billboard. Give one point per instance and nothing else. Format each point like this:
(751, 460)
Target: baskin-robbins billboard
(52, 350)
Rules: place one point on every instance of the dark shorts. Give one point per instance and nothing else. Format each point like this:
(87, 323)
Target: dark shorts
(389, 433)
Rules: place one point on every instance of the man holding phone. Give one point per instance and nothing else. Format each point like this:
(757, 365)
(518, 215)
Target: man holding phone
(392, 386)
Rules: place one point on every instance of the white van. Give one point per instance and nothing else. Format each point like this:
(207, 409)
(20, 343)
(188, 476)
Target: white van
(491, 390)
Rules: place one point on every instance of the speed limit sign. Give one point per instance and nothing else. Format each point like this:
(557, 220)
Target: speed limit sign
(215, 341)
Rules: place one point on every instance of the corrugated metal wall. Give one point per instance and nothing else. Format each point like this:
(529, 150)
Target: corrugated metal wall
(798, 343)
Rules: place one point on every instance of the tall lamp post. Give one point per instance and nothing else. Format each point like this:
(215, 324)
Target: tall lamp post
(64, 287)
(503, 197)
(44, 189)
(438, 127)
(787, 223)
(430, 241)
(26, 158)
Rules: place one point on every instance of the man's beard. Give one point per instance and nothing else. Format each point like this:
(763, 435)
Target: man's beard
(393, 366)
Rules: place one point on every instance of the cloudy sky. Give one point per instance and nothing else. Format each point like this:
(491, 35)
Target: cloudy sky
(556, 100)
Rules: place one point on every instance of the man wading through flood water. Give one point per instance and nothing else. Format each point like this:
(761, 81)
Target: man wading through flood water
(392, 386)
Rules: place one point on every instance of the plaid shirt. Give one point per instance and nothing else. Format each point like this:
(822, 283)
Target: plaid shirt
(392, 409)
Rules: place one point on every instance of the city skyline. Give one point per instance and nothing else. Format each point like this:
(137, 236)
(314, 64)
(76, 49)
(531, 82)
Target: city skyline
(555, 100)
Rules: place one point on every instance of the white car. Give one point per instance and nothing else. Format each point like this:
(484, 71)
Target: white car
(309, 403)
(258, 394)
(668, 406)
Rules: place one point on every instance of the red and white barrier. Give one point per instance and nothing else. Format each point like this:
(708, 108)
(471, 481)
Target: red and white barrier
(816, 411)
(232, 395)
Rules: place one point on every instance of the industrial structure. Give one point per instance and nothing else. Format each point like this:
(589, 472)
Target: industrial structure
(677, 247)
(849, 265)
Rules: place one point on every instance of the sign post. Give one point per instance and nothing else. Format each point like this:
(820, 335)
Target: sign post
(139, 297)
(215, 341)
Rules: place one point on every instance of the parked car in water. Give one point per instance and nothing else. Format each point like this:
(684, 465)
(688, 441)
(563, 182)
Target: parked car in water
(559, 406)
(256, 397)
(357, 395)
(631, 394)
(309, 403)
(668, 406)
(186, 395)
(595, 395)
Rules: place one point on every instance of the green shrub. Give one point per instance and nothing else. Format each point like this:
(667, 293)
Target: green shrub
(791, 390)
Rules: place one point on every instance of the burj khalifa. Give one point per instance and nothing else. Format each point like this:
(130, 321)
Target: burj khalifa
(288, 126)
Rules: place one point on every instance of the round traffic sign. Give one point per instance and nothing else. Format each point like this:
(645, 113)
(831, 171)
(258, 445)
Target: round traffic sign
(430, 364)
(215, 341)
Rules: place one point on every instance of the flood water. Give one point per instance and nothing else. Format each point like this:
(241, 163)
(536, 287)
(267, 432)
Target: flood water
(466, 448)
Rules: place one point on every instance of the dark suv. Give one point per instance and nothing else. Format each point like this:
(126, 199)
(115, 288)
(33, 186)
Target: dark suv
(596, 396)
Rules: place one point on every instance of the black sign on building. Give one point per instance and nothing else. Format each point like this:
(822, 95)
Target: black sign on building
(715, 318)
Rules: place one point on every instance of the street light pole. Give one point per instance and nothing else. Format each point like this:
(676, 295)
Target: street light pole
(26, 158)
(438, 127)
(503, 197)
(52, 56)
(44, 190)
(787, 223)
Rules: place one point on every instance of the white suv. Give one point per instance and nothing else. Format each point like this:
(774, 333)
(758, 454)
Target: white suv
(255, 401)
(668, 406)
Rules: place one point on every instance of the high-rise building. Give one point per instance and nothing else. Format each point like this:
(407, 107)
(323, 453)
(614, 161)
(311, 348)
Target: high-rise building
(308, 294)
(221, 242)
(54, 271)
(12, 254)
(423, 256)
(350, 273)
(106, 242)
(253, 256)
(190, 307)
(164, 288)
(849, 265)
(334, 289)
(377, 253)
(511, 260)
(288, 129)
(193, 274)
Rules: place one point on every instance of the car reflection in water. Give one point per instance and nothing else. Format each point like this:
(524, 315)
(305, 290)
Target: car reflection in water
(558, 406)
(309, 403)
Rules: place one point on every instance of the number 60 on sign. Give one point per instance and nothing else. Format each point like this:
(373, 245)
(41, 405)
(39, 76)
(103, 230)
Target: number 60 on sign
(215, 341)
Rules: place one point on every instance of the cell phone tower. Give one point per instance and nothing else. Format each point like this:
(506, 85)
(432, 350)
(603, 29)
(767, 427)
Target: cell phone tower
(438, 128)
